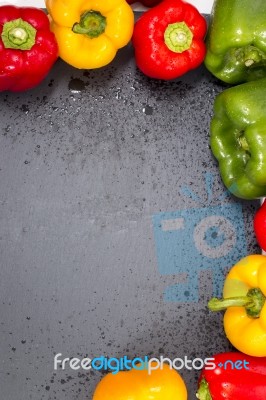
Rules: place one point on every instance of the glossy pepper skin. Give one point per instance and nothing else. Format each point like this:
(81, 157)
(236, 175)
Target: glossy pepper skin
(260, 225)
(28, 48)
(238, 138)
(236, 45)
(236, 376)
(89, 33)
(160, 384)
(146, 3)
(244, 296)
(169, 40)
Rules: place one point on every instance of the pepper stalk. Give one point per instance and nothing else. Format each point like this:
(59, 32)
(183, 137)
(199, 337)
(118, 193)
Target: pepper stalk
(203, 392)
(92, 23)
(253, 303)
(18, 34)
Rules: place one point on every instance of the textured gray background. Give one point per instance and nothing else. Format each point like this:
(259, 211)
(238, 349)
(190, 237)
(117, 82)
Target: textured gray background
(86, 160)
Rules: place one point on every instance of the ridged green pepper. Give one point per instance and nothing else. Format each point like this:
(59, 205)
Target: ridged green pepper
(236, 40)
(238, 138)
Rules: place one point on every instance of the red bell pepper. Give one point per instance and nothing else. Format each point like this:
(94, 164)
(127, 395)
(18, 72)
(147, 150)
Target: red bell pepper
(260, 225)
(236, 376)
(146, 3)
(169, 40)
(28, 48)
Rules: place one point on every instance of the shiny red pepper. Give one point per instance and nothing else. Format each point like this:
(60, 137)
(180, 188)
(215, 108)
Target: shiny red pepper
(169, 40)
(260, 225)
(28, 48)
(146, 3)
(236, 376)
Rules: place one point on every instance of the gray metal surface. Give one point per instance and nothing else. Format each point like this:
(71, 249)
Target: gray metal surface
(88, 162)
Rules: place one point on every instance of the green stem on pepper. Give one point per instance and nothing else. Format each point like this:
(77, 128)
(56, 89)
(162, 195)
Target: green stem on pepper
(252, 302)
(252, 56)
(178, 37)
(18, 34)
(92, 23)
(203, 392)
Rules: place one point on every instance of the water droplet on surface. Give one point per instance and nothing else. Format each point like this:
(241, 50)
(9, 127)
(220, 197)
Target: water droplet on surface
(76, 85)
(25, 108)
(118, 93)
(148, 110)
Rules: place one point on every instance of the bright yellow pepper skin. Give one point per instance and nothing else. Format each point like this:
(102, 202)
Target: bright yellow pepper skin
(160, 384)
(244, 300)
(103, 26)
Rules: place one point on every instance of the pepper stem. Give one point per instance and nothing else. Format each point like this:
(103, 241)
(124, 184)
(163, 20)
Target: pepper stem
(18, 34)
(253, 302)
(249, 56)
(243, 143)
(252, 55)
(203, 392)
(92, 23)
(178, 37)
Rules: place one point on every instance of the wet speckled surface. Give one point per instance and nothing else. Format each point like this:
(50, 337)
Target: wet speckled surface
(87, 159)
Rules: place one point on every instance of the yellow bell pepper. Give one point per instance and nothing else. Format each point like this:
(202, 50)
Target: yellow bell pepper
(89, 32)
(244, 300)
(160, 384)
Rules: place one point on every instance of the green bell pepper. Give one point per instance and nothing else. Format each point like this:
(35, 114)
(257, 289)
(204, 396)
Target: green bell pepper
(238, 138)
(236, 40)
